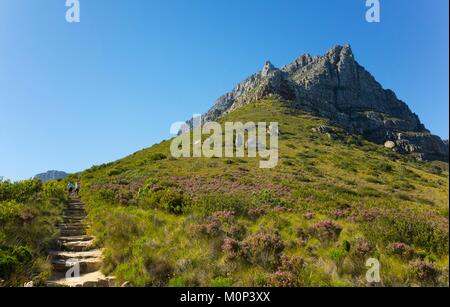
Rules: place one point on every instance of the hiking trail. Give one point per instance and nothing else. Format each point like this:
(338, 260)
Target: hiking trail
(76, 250)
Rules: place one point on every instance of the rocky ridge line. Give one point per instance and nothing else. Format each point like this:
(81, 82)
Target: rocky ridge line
(336, 87)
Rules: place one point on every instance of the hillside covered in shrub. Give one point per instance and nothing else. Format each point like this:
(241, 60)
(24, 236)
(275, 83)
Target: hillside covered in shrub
(29, 212)
(334, 201)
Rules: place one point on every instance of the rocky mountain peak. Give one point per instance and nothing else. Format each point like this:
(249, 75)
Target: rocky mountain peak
(337, 87)
(340, 52)
(268, 67)
(51, 175)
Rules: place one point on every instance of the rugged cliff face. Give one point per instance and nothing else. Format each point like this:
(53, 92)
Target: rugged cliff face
(335, 86)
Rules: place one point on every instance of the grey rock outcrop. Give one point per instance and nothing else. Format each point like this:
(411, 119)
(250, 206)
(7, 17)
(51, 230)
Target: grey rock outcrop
(51, 175)
(336, 87)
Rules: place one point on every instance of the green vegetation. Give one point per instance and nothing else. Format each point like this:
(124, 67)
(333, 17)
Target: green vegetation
(29, 211)
(331, 204)
(313, 221)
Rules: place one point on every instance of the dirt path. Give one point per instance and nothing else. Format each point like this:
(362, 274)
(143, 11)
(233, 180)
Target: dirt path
(77, 263)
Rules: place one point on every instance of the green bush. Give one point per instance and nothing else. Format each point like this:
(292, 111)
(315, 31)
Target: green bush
(221, 282)
(54, 190)
(115, 172)
(20, 191)
(177, 282)
(12, 259)
(264, 248)
(338, 255)
(157, 156)
(173, 201)
(408, 227)
(169, 199)
(383, 167)
(29, 211)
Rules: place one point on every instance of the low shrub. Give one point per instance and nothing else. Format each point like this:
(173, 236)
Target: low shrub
(362, 248)
(156, 197)
(21, 191)
(177, 282)
(115, 172)
(424, 272)
(255, 213)
(221, 282)
(13, 259)
(421, 231)
(326, 231)
(338, 255)
(401, 249)
(282, 279)
(157, 156)
(263, 248)
(293, 264)
(231, 248)
(208, 204)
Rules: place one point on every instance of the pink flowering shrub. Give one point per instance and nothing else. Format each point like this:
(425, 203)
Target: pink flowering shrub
(326, 231)
(341, 213)
(281, 209)
(292, 264)
(424, 271)
(231, 248)
(362, 248)
(227, 216)
(263, 248)
(282, 279)
(255, 213)
(401, 249)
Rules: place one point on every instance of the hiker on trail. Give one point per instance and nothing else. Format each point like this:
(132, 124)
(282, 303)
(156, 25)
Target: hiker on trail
(70, 188)
(77, 187)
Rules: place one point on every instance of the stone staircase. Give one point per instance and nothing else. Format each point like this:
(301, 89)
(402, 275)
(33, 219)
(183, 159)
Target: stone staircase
(77, 252)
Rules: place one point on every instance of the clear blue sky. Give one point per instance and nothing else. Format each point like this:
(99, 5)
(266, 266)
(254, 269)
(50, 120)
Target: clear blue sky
(74, 95)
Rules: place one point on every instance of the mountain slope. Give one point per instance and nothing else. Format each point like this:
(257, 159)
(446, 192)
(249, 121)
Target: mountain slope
(336, 87)
(51, 175)
(333, 201)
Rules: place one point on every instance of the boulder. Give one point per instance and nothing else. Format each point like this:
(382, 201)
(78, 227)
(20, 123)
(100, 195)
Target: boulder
(390, 145)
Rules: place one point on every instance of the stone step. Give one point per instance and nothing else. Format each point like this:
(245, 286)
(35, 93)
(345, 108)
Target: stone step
(76, 209)
(72, 228)
(74, 218)
(72, 232)
(94, 279)
(75, 238)
(76, 255)
(70, 207)
(75, 222)
(75, 214)
(76, 203)
(71, 225)
(88, 261)
(87, 265)
(78, 246)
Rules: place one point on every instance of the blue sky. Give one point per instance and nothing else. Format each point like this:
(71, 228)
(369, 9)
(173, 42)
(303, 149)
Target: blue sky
(75, 95)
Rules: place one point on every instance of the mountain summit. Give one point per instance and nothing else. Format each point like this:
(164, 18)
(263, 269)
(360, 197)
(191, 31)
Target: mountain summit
(336, 87)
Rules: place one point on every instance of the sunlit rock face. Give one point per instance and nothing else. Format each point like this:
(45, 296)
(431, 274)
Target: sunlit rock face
(336, 87)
